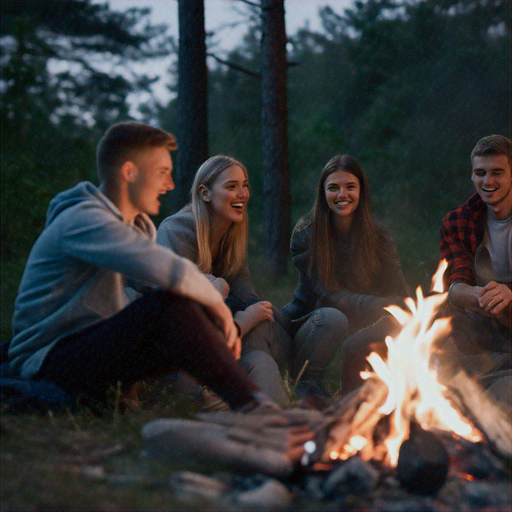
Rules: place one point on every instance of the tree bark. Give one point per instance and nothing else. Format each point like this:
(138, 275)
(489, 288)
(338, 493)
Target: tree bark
(276, 187)
(192, 97)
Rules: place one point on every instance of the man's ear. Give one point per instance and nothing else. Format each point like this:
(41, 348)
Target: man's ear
(204, 193)
(129, 171)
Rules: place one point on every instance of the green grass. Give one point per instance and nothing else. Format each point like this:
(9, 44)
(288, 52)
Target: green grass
(79, 461)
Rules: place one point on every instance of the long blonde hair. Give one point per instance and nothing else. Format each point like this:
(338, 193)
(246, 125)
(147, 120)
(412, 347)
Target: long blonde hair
(364, 256)
(233, 245)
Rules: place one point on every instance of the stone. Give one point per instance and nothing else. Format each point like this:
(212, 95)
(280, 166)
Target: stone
(354, 475)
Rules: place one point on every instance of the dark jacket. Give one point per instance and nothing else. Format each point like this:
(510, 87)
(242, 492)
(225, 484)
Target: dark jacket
(389, 281)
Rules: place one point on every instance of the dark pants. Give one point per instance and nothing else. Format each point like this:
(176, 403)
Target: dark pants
(483, 348)
(155, 335)
(358, 347)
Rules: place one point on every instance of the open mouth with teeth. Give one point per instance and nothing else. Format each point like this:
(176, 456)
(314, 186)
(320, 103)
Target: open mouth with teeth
(341, 203)
(239, 207)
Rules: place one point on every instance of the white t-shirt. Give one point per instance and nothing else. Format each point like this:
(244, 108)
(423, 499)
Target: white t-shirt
(499, 244)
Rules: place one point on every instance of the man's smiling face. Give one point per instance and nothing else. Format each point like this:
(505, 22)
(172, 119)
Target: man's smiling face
(492, 179)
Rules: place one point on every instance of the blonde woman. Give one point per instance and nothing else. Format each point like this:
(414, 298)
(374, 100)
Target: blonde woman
(212, 232)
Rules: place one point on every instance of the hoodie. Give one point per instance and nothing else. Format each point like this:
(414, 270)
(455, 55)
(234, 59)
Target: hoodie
(78, 269)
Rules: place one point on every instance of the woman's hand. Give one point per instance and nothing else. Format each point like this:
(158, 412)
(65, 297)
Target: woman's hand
(222, 317)
(221, 286)
(254, 315)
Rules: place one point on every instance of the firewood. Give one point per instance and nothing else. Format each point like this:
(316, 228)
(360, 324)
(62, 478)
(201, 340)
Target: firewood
(423, 462)
(356, 414)
(487, 415)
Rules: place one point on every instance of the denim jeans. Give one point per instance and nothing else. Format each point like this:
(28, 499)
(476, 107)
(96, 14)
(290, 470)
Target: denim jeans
(317, 341)
(261, 369)
(358, 347)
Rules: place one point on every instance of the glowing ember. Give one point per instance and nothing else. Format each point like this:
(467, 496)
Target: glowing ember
(414, 391)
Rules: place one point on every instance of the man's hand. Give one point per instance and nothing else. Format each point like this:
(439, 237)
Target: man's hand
(495, 297)
(253, 315)
(222, 317)
(496, 300)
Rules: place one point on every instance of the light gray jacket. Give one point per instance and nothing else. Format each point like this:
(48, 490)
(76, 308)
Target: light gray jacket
(178, 232)
(78, 269)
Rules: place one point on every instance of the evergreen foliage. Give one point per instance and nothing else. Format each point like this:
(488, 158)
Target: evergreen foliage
(52, 120)
(407, 87)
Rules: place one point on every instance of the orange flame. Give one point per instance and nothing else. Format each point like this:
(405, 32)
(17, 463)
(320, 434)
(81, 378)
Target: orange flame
(414, 391)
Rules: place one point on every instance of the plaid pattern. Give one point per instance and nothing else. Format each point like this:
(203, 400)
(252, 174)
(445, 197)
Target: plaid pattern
(461, 234)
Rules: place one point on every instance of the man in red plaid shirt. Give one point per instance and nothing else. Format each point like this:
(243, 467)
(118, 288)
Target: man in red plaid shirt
(476, 240)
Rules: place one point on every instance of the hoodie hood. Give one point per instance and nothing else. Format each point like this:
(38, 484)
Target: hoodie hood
(82, 192)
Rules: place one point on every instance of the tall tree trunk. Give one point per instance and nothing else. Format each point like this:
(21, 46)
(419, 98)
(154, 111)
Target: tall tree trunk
(276, 187)
(192, 97)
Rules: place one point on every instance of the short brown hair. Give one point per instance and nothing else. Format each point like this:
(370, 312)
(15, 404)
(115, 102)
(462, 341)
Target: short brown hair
(123, 141)
(493, 145)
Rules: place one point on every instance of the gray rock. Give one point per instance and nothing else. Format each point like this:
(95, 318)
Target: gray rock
(355, 476)
(271, 495)
(195, 488)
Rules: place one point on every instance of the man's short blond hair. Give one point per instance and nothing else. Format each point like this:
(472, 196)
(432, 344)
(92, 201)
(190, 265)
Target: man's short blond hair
(123, 141)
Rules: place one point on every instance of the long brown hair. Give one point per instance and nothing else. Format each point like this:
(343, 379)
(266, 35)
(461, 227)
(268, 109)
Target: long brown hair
(363, 253)
(233, 245)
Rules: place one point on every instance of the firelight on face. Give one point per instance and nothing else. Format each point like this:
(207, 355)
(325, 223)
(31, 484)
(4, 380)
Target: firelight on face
(229, 195)
(342, 192)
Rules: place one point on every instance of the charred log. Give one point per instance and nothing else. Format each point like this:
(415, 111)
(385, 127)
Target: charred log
(423, 462)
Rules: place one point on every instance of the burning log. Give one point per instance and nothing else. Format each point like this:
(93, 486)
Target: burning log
(423, 462)
(356, 415)
(490, 418)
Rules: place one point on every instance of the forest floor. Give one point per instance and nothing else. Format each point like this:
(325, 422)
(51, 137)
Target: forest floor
(82, 461)
(72, 461)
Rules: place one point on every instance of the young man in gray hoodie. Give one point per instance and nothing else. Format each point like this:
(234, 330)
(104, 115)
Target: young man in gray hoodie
(74, 324)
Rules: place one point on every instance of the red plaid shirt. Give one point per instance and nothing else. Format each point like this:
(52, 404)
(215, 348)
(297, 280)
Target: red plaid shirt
(461, 234)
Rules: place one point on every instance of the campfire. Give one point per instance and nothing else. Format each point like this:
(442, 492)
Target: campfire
(415, 427)
(413, 391)
(399, 415)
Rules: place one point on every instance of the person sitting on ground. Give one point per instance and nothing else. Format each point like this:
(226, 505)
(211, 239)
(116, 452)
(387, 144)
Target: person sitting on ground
(476, 241)
(73, 324)
(212, 232)
(349, 268)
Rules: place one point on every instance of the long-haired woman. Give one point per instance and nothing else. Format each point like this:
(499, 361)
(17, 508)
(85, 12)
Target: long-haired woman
(212, 232)
(347, 261)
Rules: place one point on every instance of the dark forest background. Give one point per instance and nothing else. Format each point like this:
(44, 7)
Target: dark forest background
(406, 87)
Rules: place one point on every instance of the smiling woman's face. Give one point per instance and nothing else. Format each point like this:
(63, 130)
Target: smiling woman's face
(229, 195)
(342, 192)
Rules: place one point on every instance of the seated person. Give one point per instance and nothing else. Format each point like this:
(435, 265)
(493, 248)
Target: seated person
(476, 240)
(349, 269)
(73, 324)
(212, 232)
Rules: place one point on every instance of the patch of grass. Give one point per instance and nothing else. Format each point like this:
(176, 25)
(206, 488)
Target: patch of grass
(79, 461)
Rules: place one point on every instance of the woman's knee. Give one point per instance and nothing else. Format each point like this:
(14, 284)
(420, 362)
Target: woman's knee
(257, 360)
(328, 324)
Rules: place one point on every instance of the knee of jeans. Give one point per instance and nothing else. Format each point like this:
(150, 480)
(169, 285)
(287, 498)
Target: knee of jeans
(255, 359)
(350, 348)
(331, 319)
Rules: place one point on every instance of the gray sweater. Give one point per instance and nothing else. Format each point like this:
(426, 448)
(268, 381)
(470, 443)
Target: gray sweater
(178, 232)
(78, 269)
